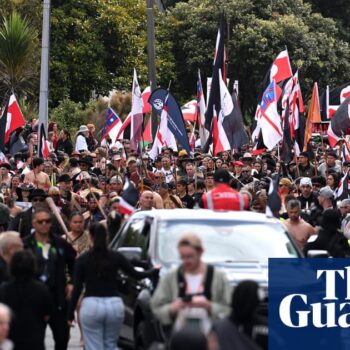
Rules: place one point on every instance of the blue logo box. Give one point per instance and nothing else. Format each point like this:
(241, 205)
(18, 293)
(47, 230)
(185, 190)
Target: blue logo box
(309, 304)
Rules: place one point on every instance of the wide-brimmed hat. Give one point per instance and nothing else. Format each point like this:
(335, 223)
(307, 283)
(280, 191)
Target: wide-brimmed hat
(64, 178)
(86, 160)
(83, 128)
(37, 193)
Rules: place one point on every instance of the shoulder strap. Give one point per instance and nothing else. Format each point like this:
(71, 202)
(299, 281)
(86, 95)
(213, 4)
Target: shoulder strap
(181, 282)
(208, 281)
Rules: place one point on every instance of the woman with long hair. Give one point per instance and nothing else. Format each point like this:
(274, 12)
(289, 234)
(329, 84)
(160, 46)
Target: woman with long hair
(53, 128)
(102, 310)
(64, 142)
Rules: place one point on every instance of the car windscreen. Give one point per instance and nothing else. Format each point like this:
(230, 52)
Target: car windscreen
(226, 241)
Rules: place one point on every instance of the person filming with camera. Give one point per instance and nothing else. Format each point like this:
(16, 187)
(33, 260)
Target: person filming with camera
(194, 293)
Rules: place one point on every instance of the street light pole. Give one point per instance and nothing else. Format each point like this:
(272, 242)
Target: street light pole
(151, 59)
(44, 73)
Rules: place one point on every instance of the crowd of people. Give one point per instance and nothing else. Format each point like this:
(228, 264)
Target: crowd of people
(61, 212)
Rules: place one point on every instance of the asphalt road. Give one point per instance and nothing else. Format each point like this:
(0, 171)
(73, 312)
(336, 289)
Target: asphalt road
(73, 343)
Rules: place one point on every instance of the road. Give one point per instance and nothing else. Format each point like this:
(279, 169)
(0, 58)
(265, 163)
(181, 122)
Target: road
(73, 343)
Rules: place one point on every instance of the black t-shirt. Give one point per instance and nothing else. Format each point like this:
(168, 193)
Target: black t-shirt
(187, 201)
(97, 284)
(31, 303)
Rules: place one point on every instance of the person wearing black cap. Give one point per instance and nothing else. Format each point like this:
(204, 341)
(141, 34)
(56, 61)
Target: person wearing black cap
(304, 166)
(66, 194)
(223, 197)
(37, 175)
(22, 223)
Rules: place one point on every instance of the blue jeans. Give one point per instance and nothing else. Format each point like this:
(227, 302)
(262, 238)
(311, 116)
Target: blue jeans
(101, 320)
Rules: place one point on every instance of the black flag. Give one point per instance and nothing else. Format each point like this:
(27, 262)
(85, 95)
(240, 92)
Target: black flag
(234, 127)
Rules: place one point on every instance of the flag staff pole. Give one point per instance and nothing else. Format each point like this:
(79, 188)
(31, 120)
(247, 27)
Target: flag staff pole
(151, 52)
(44, 73)
(315, 162)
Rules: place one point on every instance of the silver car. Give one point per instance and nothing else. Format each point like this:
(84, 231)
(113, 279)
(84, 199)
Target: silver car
(238, 242)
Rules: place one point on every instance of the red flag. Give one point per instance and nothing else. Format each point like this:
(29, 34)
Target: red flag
(281, 68)
(15, 118)
(147, 108)
(190, 111)
(147, 135)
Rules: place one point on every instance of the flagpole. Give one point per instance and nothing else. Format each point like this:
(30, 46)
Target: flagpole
(151, 52)
(315, 162)
(44, 73)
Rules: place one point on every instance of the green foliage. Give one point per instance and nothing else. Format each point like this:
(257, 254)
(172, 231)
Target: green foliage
(96, 45)
(17, 71)
(257, 31)
(69, 114)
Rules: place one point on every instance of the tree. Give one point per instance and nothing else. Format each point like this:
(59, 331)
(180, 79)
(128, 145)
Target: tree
(18, 72)
(96, 44)
(257, 30)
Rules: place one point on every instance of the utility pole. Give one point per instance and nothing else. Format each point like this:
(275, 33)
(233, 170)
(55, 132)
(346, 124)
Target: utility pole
(151, 60)
(44, 73)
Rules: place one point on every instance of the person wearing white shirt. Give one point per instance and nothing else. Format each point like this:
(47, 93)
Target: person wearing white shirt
(81, 144)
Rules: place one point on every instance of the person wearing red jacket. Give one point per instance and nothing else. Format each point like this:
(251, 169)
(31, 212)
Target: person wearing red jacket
(223, 197)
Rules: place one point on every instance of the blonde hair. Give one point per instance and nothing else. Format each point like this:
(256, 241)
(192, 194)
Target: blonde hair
(190, 239)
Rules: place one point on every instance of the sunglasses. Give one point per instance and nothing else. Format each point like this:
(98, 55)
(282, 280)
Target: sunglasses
(44, 221)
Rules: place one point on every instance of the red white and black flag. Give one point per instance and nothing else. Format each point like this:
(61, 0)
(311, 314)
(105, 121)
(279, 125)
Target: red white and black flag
(340, 123)
(330, 100)
(219, 64)
(43, 144)
(342, 192)
(11, 119)
(274, 202)
(281, 68)
(128, 199)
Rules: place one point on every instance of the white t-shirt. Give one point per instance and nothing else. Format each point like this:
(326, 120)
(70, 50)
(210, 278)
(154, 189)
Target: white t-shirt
(81, 144)
(194, 283)
(169, 177)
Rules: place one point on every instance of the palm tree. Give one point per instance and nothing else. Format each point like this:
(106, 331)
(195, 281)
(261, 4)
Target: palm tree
(18, 69)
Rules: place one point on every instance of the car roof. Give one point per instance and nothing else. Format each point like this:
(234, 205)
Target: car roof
(207, 214)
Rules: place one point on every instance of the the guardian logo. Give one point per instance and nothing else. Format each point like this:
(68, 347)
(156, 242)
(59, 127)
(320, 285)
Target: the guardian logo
(329, 309)
(309, 304)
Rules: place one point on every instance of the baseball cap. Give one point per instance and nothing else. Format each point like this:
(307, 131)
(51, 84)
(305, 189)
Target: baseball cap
(238, 163)
(222, 176)
(305, 181)
(115, 179)
(326, 192)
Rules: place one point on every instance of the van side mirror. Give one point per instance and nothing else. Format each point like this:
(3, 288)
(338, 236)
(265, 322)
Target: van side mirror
(131, 253)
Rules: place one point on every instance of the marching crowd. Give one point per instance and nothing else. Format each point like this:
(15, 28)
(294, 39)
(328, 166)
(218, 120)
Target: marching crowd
(58, 214)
